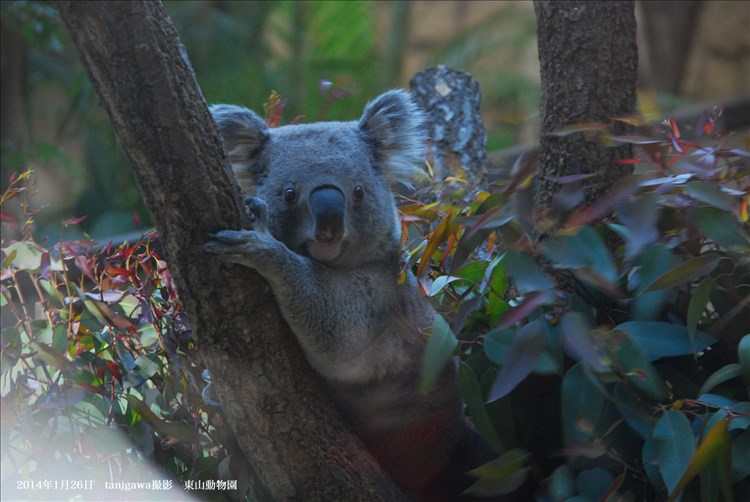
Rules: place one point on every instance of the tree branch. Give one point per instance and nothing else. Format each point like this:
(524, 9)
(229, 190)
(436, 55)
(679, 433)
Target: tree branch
(296, 443)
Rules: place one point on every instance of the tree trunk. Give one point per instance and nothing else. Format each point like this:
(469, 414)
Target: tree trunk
(669, 29)
(458, 143)
(589, 61)
(296, 444)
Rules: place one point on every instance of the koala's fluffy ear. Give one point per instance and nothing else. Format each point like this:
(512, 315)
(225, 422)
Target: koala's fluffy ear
(394, 125)
(244, 134)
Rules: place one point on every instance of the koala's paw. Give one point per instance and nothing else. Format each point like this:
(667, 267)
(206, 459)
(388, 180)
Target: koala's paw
(246, 247)
(258, 213)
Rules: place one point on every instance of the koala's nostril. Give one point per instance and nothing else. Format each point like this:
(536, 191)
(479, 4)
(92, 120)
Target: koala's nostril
(328, 207)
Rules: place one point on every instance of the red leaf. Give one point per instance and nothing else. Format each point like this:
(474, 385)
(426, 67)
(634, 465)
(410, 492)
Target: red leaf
(73, 221)
(7, 217)
(137, 219)
(523, 309)
(83, 265)
(114, 370)
(676, 131)
(119, 271)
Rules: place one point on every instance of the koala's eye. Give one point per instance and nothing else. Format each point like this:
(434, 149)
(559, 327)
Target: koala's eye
(359, 192)
(290, 195)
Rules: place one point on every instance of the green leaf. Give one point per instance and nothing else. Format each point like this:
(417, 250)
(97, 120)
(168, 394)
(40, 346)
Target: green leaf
(639, 217)
(686, 271)
(522, 356)
(440, 347)
(653, 263)
(716, 442)
(593, 483)
(663, 339)
(697, 306)
(722, 228)
(179, 430)
(146, 366)
(580, 344)
(582, 407)
(441, 282)
(25, 255)
(720, 376)
(674, 445)
(710, 194)
(526, 274)
(472, 394)
(629, 360)
(741, 456)
(743, 354)
(583, 250)
(498, 282)
(500, 476)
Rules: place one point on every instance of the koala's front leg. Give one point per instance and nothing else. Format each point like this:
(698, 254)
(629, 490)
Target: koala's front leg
(255, 248)
(330, 313)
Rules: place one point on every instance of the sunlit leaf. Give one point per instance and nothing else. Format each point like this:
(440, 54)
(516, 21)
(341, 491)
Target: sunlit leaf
(145, 367)
(25, 255)
(437, 237)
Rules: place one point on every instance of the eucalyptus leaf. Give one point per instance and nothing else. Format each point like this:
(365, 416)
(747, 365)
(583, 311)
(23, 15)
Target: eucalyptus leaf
(522, 357)
(674, 445)
(440, 347)
(663, 339)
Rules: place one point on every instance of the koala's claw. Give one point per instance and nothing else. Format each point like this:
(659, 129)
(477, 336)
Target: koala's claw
(258, 213)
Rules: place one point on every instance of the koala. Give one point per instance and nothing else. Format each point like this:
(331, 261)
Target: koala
(326, 236)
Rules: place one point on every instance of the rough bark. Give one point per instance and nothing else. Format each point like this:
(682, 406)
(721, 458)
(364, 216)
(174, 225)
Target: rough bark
(298, 447)
(458, 142)
(589, 60)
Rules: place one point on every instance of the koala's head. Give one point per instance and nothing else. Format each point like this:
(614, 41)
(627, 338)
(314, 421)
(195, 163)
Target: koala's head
(328, 185)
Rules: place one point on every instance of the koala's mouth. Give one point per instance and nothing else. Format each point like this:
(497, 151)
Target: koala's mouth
(324, 251)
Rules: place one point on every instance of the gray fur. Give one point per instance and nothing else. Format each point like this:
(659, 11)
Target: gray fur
(340, 296)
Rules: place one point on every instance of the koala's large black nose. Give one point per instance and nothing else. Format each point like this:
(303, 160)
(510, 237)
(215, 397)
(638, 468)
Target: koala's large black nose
(328, 206)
